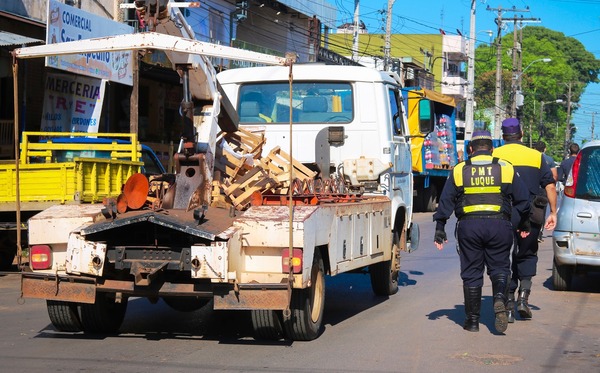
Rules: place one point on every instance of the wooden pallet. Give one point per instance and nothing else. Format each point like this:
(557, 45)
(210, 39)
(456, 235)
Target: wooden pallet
(245, 142)
(238, 181)
(241, 189)
(278, 162)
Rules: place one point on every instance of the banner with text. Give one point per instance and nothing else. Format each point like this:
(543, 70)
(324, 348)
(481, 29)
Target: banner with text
(72, 103)
(66, 23)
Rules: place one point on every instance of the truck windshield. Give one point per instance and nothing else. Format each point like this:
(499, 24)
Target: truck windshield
(312, 102)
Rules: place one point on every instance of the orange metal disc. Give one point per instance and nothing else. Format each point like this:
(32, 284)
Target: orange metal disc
(121, 203)
(136, 191)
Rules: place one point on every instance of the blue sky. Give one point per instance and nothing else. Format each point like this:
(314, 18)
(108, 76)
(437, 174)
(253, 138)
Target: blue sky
(576, 18)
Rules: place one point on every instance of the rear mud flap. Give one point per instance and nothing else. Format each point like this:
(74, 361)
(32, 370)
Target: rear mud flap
(259, 297)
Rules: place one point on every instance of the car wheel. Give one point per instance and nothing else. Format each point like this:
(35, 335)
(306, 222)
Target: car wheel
(561, 276)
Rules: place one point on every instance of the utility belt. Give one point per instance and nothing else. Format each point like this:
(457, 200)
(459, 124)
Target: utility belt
(475, 216)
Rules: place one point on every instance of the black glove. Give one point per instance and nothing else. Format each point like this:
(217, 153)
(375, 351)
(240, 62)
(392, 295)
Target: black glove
(524, 226)
(440, 237)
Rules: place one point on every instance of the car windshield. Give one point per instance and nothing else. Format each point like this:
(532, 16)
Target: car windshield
(312, 102)
(588, 181)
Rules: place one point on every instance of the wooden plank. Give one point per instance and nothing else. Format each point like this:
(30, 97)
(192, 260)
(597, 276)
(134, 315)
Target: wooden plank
(282, 159)
(244, 199)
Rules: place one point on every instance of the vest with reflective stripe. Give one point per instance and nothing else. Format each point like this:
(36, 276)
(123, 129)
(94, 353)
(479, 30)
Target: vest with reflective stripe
(481, 185)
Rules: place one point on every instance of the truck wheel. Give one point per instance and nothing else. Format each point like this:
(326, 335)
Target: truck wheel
(186, 304)
(267, 324)
(418, 201)
(384, 275)
(306, 317)
(429, 198)
(64, 316)
(104, 316)
(561, 276)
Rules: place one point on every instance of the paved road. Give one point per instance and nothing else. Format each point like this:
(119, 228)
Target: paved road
(417, 330)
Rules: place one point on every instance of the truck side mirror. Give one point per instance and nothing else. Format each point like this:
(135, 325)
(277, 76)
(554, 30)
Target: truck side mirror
(336, 135)
(426, 116)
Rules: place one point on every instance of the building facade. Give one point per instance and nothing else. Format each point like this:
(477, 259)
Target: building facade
(267, 26)
(433, 61)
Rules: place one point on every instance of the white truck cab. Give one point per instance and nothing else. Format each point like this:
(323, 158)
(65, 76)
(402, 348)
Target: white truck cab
(346, 120)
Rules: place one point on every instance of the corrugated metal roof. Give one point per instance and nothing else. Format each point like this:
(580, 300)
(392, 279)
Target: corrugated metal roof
(8, 38)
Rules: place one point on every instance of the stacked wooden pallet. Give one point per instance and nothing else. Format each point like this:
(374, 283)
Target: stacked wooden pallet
(241, 170)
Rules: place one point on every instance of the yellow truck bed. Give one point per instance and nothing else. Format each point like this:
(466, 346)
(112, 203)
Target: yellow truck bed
(55, 172)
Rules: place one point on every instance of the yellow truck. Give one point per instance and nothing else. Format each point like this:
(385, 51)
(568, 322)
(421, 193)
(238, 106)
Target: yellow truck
(65, 168)
(434, 153)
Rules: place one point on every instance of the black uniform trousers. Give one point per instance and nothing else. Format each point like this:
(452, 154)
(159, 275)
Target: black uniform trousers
(483, 242)
(524, 257)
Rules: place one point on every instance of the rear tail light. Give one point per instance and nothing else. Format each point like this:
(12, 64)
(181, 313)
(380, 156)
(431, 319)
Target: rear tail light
(571, 183)
(296, 261)
(40, 257)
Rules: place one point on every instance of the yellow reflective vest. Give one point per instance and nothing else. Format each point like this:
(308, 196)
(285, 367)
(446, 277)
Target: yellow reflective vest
(480, 179)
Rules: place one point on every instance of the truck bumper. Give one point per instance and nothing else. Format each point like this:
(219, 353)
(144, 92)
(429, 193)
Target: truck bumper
(58, 288)
(226, 296)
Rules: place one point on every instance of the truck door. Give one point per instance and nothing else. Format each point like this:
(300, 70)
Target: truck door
(401, 176)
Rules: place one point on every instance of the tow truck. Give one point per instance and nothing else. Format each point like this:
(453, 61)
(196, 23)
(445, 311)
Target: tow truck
(235, 227)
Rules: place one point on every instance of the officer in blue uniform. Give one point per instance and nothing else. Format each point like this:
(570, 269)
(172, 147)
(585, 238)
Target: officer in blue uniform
(539, 181)
(481, 191)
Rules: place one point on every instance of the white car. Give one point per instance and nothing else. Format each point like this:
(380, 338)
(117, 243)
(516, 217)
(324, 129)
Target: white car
(576, 238)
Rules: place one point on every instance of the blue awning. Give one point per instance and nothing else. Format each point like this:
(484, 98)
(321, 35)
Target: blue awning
(325, 11)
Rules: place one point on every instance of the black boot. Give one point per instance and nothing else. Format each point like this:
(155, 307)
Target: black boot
(523, 305)
(472, 308)
(510, 308)
(499, 290)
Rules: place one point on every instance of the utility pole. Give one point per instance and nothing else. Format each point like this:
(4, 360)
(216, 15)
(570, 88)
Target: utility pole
(518, 98)
(355, 32)
(593, 115)
(516, 56)
(568, 127)
(517, 66)
(388, 35)
(498, 97)
(469, 109)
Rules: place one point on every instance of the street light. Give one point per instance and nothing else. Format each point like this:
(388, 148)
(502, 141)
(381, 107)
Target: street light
(516, 92)
(489, 33)
(545, 60)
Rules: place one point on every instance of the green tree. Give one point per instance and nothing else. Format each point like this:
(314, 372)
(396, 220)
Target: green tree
(572, 65)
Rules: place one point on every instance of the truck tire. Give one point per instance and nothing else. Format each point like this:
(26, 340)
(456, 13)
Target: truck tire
(267, 324)
(561, 276)
(103, 317)
(429, 198)
(306, 317)
(384, 275)
(64, 316)
(418, 201)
